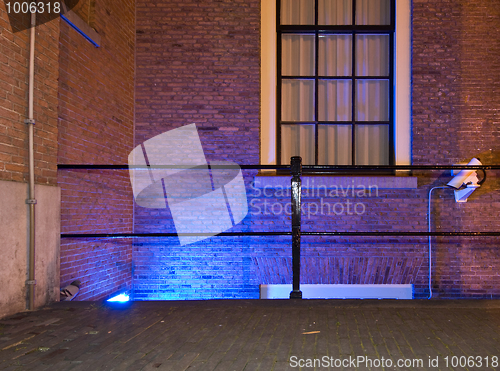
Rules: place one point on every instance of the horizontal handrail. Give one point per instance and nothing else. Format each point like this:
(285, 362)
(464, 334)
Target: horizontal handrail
(170, 234)
(295, 169)
(285, 233)
(148, 167)
(305, 168)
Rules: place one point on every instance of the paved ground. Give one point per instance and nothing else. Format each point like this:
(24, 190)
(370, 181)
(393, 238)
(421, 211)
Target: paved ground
(254, 335)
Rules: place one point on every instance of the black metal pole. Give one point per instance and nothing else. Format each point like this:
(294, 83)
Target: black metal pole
(296, 170)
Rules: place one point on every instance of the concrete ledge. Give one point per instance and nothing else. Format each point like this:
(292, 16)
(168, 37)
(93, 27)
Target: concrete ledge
(353, 291)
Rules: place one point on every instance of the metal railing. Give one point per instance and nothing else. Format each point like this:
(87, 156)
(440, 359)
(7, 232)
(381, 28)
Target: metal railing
(296, 170)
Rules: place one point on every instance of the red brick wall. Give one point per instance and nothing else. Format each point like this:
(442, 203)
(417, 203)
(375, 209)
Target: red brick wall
(96, 123)
(455, 74)
(85, 9)
(195, 63)
(14, 62)
(456, 116)
(198, 62)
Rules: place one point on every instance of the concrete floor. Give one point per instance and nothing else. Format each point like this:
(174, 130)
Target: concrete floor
(254, 335)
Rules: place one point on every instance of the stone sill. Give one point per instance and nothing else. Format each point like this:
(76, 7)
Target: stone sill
(336, 182)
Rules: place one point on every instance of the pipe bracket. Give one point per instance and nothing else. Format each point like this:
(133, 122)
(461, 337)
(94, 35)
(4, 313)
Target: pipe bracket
(31, 282)
(29, 121)
(31, 201)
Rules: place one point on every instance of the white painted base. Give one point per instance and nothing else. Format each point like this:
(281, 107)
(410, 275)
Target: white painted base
(310, 291)
(14, 245)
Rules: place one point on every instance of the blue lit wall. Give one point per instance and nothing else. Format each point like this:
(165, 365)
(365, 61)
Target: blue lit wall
(201, 65)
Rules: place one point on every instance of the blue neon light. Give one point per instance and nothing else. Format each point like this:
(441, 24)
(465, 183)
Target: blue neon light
(122, 298)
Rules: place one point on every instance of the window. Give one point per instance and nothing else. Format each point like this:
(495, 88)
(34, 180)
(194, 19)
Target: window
(335, 91)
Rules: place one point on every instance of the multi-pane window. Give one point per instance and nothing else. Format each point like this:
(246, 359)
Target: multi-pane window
(335, 81)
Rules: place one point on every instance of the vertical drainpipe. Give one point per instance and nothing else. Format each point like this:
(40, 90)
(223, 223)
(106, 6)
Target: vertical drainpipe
(30, 283)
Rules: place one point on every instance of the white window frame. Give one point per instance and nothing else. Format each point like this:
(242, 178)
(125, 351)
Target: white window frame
(402, 81)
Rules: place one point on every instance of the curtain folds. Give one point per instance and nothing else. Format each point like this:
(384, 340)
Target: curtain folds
(345, 89)
(334, 55)
(298, 140)
(334, 12)
(373, 12)
(297, 12)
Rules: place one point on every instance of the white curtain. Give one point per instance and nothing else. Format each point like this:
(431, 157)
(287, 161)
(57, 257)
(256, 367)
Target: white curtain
(372, 144)
(334, 100)
(297, 97)
(372, 55)
(373, 12)
(334, 12)
(297, 12)
(335, 55)
(297, 55)
(372, 100)
(334, 144)
(297, 140)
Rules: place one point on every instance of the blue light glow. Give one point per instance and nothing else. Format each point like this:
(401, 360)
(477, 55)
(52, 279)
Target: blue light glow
(122, 298)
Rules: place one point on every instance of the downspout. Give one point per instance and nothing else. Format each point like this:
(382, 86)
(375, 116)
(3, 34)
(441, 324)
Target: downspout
(31, 200)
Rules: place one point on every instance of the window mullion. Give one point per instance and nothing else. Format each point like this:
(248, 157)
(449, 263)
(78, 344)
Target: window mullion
(279, 82)
(353, 86)
(316, 83)
(392, 157)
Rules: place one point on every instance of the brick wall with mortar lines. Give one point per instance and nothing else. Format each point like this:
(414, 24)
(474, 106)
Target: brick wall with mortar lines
(14, 62)
(198, 62)
(96, 123)
(177, 72)
(197, 270)
(456, 116)
(85, 9)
